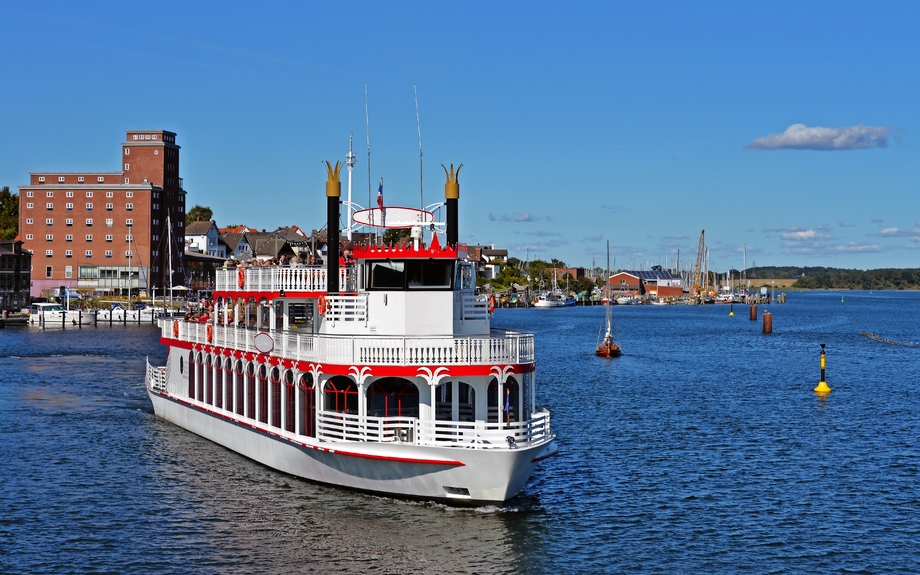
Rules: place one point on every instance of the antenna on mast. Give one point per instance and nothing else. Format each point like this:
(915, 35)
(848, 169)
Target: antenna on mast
(418, 121)
(367, 128)
(350, 162)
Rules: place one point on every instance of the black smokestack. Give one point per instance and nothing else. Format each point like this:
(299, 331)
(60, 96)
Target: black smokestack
(452, 195)
(333, 193)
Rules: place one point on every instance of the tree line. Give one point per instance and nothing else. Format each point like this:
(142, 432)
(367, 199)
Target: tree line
(881, 279)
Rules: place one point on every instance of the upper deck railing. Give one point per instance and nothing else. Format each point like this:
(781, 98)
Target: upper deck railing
(499, 347)
(279, 278)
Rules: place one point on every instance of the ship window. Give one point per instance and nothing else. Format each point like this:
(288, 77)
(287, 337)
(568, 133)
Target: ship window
(263, 394)
(392, 397)
(411, 275)
(238, 388)
(429, 274)
(341, 395)
(308, 401)
(276, 397)
(289, 406)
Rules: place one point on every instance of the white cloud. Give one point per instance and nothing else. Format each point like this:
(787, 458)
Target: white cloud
(804, 235)
(802, 137)
(899, 233)
(521, 217)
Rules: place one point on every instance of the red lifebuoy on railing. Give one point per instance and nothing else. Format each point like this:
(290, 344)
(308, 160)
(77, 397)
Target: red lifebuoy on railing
(491, 303)
(321, 305)
(175, 329)
(210, 332)
(241, 277)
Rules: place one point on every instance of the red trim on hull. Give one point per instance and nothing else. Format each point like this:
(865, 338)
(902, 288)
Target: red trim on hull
(449, 462)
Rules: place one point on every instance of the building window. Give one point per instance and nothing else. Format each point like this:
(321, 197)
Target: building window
(41, 178)
(69, 206)
(108, 237)
(29, 205)
(109, 222)
(135, 136)
(155, 238)
(89, 206)
(88, 253)
(49, 194)
(89, 194)
(48, 271)
(128, 253)
(49, 237)
(129, 194)
(49, 253)
(29, 194)
(49, 221)
(129, 207)
(129, 238)
(127, 167)
(49, 206)
(109, 207)
(68, 253)
(156, 222)
(156, 152)
(89, 221)
(28, 220)
(156, 206)
(129, 222)
(127, 151)
(68, 221)
(127, 180)
(68, 271)
(60, 178)
(69, 194)
(155, 253)
(108, 254)
(80, 180)
(29, 237)
(89, 237)
(68, 237)
(100, 179)
(110, 194)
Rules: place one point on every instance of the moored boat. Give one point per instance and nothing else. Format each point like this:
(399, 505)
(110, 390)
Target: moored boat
(55, 314)
(384, 376)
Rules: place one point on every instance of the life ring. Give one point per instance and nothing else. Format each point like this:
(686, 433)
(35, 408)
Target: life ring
(491, 303)
(321, 305)
(241, 277)
(210, 332)
(175, 329)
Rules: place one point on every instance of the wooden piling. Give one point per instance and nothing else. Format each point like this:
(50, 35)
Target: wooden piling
(767, 322)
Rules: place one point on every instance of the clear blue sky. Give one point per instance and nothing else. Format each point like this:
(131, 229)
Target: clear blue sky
(786, 127)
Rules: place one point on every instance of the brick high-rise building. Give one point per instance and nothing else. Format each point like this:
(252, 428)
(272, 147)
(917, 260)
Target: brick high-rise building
(108, 230)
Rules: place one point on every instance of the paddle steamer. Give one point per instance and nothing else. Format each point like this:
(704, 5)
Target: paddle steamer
(383, 376)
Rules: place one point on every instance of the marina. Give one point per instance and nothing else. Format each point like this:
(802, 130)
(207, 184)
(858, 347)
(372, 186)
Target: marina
(729, 461)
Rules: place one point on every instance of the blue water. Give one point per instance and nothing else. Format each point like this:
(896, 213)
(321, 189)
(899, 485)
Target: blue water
(703, 449)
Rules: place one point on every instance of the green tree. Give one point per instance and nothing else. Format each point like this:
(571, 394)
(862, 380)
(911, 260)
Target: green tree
(9, 214)
(393, 235)
(198, 213)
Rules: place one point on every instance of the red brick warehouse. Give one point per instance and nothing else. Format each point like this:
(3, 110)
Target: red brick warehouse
(107, 231)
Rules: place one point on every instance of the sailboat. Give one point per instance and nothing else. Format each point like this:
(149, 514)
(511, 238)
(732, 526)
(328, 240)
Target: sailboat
(607, 347)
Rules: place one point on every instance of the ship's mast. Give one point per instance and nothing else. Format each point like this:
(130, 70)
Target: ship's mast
(350, 162)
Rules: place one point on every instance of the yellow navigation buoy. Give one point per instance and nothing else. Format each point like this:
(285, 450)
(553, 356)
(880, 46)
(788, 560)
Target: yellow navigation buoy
(731, 310)
(822, 385)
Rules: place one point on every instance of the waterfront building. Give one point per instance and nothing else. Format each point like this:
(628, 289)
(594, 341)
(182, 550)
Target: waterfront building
(204, 237)
(107, 231)
(15, 275)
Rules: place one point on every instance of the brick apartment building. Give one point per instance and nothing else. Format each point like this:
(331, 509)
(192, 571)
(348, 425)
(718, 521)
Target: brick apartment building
(107, 231)
(15, 264)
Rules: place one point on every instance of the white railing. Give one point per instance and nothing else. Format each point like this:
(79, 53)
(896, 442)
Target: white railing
(498, 347)
(346, 308)
(156, 377)
(276, 279)
(332, 426)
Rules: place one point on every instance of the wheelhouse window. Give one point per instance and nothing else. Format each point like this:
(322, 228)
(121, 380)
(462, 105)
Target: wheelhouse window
(411, 275)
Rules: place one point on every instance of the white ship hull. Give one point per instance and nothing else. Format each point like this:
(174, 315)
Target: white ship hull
(454, 475)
